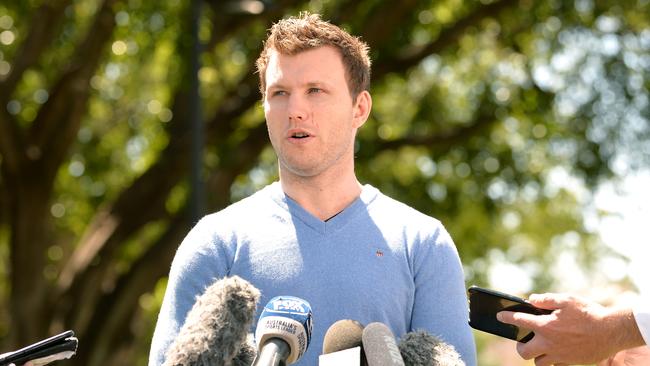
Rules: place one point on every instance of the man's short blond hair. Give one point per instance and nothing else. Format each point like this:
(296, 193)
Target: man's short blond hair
(307, 31)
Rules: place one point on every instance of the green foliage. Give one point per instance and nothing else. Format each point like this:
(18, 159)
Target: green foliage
(486, 115)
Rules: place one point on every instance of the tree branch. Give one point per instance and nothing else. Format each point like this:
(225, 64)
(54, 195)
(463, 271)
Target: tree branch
(233, 106)
(440, 142)
(237, 160)
(11, 143)
(227, 21)
(122, 302)
(58, 121)
(448, 37)
(383, 22)
(42, 30)
(31, 187)
(141, 202)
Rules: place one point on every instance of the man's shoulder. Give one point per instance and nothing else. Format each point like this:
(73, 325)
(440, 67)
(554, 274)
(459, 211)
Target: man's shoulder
(398, 219)
(239, 215)
(386, 206)
(257, 202)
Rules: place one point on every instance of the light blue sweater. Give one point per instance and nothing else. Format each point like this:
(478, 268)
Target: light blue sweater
(377, 261)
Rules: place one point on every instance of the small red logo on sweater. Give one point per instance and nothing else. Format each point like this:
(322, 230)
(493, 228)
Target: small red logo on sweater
(379, 253)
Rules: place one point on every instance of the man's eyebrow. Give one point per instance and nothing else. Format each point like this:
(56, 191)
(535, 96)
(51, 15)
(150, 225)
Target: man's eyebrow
(319, 84)
(310, 84)
(276, 86)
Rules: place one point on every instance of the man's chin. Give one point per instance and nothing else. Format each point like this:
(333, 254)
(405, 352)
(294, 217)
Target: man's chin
(304, 170)
(304, 173)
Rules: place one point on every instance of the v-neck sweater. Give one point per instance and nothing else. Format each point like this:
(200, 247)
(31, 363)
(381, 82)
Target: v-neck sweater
(378, 260)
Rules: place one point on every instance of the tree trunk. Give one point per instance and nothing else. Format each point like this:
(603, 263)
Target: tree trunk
(28, 207)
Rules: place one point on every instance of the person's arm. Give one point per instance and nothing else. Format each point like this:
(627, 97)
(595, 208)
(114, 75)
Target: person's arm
(577, 332)
(441, 306)
(198, 262)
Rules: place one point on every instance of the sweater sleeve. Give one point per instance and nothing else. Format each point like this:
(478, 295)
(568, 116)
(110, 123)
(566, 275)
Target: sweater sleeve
(642, 317)
(440, 305)
(199, 261)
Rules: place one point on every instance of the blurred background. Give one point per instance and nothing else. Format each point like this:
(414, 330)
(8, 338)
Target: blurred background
(522, 125)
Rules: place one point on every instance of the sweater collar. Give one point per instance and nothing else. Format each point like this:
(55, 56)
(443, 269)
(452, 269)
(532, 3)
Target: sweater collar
(333, 224)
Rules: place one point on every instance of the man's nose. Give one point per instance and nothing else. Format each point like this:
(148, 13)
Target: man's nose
(297, 107)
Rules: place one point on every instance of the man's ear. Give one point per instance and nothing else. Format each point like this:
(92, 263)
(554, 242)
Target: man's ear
(361, 110)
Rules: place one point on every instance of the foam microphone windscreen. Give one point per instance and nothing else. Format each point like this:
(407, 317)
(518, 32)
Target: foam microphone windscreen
(247, 352)
(216, 326)
(420, 348)
(380, 347)
(343, 334)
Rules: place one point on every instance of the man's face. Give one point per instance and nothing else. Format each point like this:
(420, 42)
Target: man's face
(311, 117)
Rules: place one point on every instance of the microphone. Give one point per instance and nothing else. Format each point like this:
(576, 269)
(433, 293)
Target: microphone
(380, 347)
(343, 344)
(216, 326)
(420, 348)
(247, 352)
(341, 335)
(283, 331)
(58, 347)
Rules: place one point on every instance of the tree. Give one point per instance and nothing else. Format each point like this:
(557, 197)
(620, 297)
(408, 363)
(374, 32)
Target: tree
(478, 106)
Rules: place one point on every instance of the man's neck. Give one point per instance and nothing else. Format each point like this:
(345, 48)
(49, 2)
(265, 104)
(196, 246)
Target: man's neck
(321, 196)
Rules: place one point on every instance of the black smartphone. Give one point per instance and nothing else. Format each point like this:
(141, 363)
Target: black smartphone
(484, 304)
(58, 347)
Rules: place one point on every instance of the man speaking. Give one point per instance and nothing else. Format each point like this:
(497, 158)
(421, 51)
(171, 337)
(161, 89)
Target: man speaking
(318, 233)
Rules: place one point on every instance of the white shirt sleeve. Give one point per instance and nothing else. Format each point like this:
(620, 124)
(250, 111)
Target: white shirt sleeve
(642, 317)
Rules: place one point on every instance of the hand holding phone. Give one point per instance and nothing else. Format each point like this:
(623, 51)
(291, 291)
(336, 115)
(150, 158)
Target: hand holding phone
(484, 304)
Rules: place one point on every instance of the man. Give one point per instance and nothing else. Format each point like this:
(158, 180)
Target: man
(319, 234)
(582, 332)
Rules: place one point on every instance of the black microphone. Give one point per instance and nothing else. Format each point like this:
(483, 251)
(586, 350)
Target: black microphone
(283, 331)
(58, 347)
(216, 327)
(380, 347)
(420, 348)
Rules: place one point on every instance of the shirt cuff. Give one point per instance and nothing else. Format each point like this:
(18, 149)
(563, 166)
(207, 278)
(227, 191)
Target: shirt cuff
(642, 317)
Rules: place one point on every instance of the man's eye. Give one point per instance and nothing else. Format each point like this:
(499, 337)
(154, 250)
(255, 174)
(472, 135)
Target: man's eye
(279, 93)
(315, 90)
